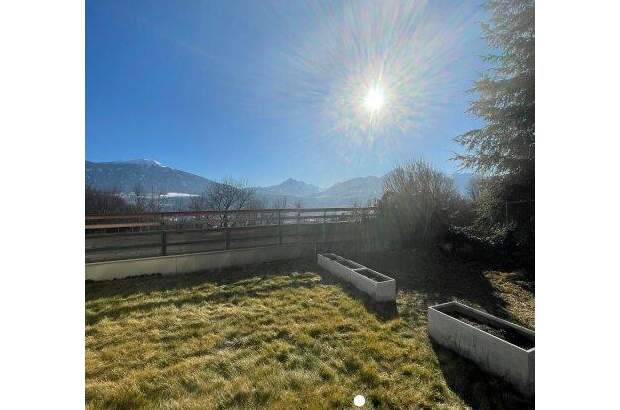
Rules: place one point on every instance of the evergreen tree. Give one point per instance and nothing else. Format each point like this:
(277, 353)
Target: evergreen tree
(505, 145)
(503, 149)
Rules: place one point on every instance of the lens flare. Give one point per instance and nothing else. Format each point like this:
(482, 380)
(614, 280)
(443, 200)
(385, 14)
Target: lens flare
(367, 76)
(374, 100)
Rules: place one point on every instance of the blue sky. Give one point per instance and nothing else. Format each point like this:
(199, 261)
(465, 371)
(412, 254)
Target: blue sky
(270, 90)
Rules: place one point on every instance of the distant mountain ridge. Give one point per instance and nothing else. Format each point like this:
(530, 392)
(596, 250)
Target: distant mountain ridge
(141, 161)
(151, 175)
(290, 187)
(357, 191)
(124, 176)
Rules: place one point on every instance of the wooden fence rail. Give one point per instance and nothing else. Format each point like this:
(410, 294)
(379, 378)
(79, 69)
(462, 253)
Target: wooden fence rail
(222, 219)
(111, 237)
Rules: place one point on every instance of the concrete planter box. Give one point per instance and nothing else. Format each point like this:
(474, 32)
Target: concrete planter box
(378, 286)
(338, 265)
(510, 361)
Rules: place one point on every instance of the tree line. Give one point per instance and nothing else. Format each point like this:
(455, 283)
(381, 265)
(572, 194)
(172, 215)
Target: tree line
(224, 196)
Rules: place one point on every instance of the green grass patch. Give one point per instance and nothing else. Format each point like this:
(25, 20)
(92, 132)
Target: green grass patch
(275, 336)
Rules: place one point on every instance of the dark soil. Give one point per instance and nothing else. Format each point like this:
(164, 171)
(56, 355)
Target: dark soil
(348, 264)
(509, 335)
(371, 275)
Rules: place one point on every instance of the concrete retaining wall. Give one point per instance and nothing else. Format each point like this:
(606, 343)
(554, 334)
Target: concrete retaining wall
(195, 261)
(493, 354)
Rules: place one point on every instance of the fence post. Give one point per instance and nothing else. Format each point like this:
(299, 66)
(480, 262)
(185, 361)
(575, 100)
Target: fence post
(227, 237)
(324, 226)
(279, 229)
(163, 243)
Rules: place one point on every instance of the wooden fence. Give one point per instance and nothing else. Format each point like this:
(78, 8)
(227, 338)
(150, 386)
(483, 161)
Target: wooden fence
(114, 237)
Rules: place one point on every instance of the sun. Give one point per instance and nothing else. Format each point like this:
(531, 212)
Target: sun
(374, 100)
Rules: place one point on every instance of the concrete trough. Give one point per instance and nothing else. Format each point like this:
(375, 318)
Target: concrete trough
(511, 360)
(378, 286)
(338, 265)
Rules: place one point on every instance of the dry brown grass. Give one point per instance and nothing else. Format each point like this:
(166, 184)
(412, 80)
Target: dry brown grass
(276, 336)
(517, 293)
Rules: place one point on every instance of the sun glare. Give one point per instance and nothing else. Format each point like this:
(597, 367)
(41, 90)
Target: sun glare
(368, 75)
(374, 100)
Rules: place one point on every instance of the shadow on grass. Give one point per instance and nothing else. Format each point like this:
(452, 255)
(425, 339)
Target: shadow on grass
(384, 311)
(230, 294)
(144, 285)
(424, 279)
(123, 296)
(427, 278)
(478, 389)
(235, 282)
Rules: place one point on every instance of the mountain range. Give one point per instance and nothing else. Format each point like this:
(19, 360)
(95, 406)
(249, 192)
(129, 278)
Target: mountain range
(124, 176)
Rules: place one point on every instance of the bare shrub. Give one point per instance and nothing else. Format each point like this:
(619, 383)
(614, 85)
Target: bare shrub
(104, 202)
(156, 200)
(140, 201)
(228, 195)
(280, 203)
(419, 204)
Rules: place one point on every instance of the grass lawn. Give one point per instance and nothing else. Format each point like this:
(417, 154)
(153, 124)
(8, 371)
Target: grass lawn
(284, 335)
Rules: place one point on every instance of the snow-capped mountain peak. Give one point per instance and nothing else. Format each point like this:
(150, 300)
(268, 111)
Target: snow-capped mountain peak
(141, 161)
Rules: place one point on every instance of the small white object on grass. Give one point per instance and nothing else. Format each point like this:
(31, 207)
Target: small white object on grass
(359, 400)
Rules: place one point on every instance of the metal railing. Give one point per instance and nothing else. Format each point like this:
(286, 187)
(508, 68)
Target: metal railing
(114, 235)
(222, 219)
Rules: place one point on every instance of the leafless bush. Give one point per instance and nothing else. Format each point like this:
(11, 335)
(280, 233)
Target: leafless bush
(226, 196)
(258, 217)
(419, 204)
(156, 200)
(198, 203)
(356, 214)
(280, 203)
(140, 200)
(299, 204)
(104, 202)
